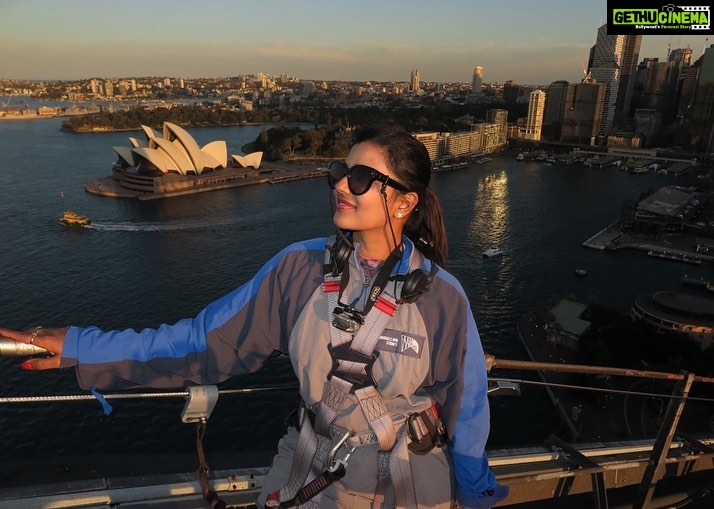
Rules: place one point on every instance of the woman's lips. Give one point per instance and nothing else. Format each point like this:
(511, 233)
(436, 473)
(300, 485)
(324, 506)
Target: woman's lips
(344, 204)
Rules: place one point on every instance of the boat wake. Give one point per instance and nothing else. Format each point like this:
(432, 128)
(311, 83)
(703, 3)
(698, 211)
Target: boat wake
(159, 227)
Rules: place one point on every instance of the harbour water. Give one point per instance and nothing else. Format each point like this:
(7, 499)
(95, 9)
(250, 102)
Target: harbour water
(144, 263)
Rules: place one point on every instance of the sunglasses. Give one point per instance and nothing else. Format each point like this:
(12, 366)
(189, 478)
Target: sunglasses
(359, 177)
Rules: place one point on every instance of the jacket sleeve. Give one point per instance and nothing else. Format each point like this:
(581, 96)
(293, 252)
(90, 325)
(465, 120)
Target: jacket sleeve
(458, 384)
(476, 486)
(231, 336)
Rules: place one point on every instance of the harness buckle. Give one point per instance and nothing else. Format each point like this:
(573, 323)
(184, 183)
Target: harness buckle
(345, 353)
(426, 431)
(347, 319)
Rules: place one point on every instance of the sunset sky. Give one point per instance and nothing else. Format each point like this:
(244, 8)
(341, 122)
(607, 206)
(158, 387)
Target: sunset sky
(526, 41)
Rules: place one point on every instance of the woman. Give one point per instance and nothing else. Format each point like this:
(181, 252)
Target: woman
(391, 368)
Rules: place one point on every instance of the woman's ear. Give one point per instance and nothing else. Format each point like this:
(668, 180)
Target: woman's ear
(406, 203)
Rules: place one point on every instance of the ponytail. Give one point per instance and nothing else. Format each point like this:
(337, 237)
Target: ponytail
(427, 230)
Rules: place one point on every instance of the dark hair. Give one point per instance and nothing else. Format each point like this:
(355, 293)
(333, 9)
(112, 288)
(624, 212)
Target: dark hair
(408, 159)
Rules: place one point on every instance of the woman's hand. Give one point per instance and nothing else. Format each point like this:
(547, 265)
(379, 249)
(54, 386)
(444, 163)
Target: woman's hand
(49, 339)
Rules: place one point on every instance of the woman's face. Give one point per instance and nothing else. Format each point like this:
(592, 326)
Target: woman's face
(366, 214)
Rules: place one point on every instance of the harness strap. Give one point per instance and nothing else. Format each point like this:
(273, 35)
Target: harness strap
(377, 416)
(384, 494)
(401, 474)
(305, 453)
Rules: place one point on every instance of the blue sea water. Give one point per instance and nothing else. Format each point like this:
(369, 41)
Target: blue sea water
(145, 263)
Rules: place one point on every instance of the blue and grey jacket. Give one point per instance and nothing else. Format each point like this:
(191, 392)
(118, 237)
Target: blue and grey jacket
(430, 351)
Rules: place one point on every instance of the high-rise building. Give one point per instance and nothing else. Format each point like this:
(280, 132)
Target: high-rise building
(477, 80)
(554, 107)
(613, 62)
(701, 114)
(499, 117)
(511, 91)
(683, 55)
(660, 90)
(583, 112)
(534, 121)
(415, 84)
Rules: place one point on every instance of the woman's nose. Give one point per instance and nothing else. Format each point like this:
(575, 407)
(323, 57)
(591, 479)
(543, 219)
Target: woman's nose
(342, 185)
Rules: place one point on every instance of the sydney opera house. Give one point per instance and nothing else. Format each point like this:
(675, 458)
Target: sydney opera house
(174, 164)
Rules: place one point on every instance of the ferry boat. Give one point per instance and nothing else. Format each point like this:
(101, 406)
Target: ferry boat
(73, 219)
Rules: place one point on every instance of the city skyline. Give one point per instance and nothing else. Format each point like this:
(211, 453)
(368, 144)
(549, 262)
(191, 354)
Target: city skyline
(530, 43)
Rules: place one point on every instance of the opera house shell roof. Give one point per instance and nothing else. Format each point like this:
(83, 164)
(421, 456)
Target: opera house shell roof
(178, 152)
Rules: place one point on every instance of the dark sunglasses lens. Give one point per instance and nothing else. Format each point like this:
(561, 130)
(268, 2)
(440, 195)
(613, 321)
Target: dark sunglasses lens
(360, 179)
(337, 172)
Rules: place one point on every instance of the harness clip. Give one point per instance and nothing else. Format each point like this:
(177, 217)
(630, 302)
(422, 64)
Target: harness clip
(338, 467)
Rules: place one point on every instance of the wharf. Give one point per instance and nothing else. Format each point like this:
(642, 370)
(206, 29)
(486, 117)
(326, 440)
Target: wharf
(605, 237)
(680, 248)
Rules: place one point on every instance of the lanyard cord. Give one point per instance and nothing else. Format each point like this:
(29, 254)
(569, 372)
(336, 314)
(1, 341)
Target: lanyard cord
(379, 284)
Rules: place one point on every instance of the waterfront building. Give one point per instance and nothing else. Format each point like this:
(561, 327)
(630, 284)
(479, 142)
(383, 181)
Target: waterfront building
(494, 137)
(554, 109)
(534, 121)
(678, 312)
(567, 325)
(499, 117)
(174, 152)
(670, 208)
(463, 144)
(446, 146)
(432, 142)
(648, 122)
(583, 111)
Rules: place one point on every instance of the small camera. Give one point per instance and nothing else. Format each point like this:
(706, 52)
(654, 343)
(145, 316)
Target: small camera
(347, 319)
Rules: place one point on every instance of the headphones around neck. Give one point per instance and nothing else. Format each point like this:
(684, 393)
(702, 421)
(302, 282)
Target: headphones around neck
(414, 283)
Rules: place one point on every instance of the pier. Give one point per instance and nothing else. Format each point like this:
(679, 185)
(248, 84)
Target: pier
(679, 249)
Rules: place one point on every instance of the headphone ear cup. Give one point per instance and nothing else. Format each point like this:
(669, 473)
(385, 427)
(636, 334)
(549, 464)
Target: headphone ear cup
(341, 251)
(414, 285)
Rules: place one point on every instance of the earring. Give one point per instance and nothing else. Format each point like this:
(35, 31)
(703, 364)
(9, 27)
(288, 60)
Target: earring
(398, 215)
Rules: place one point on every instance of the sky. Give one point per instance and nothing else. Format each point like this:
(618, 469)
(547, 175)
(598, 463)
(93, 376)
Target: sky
(530, 42)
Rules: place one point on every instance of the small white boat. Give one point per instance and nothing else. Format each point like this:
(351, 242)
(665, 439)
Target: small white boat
(581, 272)
(492, 251)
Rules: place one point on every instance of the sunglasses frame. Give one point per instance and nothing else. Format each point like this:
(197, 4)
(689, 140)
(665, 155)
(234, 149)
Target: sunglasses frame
(374, 175)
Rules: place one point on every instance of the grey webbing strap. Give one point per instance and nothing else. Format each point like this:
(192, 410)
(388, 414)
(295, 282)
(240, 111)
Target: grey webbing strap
(371, 402)
(310, 448)
(401, 474)
(377, 415)
(384, 494)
